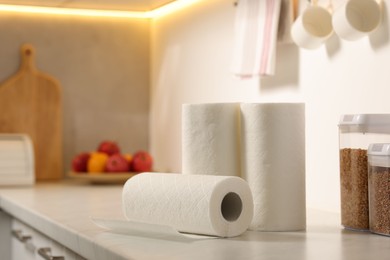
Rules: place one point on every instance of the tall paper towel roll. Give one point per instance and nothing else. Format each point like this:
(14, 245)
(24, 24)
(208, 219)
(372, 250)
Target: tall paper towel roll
(273, 163)
(210, 139)
(200, 204)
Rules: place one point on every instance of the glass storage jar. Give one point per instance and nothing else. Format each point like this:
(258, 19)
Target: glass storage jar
(356, 132)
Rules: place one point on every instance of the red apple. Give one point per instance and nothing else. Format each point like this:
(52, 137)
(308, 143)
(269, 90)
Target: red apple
(80, 162)
(142, 162)
(117, 163)
(108, 147)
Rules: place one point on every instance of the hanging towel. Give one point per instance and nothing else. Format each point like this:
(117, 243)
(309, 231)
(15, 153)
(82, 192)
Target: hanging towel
(256, 31)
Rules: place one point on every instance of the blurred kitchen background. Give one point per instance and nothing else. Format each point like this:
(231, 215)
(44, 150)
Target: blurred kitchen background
(125, 79)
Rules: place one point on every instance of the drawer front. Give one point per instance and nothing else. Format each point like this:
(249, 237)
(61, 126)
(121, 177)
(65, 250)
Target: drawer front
(28, 243)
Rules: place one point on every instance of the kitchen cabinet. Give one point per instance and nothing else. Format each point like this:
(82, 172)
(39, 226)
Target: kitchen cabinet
(5, 235)
(128, 5)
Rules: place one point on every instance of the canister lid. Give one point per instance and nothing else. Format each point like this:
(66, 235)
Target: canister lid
(379, 155)
(379, 149)
(365, 123)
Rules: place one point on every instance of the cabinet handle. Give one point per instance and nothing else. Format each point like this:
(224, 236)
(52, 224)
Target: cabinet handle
(19, 236)
(45, 252)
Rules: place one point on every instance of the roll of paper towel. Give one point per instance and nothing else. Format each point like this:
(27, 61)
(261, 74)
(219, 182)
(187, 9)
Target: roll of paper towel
(210, 139)
(200, 204)
(273, 163)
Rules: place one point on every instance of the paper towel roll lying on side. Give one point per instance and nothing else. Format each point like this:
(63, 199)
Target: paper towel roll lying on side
(210, 139)
(273, 163)
(200, 204)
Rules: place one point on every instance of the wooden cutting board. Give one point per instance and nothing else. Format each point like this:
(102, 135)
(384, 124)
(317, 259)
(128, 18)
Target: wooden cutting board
(30, 103)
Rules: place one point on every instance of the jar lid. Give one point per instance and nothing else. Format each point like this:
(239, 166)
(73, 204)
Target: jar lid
(379, 155)
(379, 149)
(365, 123)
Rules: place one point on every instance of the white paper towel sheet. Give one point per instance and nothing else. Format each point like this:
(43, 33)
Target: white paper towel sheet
(273, 163)
(132, 228)
(210, 139)
(200, 204)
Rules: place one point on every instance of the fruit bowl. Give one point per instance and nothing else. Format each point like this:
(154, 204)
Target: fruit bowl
(102, 178)
(108, 165)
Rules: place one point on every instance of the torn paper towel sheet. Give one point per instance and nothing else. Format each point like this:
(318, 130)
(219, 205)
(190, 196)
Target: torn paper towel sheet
(210, 139)
(273, 163)
(200, 204)
(132, 228)
(256, 32)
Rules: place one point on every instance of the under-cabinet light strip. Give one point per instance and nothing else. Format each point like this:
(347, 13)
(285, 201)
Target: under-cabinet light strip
(171, 7)
(163, 10)
(71, 11)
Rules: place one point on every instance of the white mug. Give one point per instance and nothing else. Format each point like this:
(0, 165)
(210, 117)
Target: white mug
(312, 28)
(355, 19)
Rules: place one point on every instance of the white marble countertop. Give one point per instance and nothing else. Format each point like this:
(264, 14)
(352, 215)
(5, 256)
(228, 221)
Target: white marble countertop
(62, 211)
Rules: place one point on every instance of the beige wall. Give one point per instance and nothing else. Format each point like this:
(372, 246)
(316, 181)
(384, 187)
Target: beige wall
(191, 54)
(191, 57)
(103, 67)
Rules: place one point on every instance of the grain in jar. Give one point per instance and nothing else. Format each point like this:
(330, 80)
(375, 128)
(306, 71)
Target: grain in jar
(379, 188)
(356, 132)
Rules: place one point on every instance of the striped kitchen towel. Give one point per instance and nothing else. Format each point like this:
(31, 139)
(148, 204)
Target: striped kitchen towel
(256, 33)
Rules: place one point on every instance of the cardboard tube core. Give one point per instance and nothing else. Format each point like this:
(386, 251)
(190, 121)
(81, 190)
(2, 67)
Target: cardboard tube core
(231, 207)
